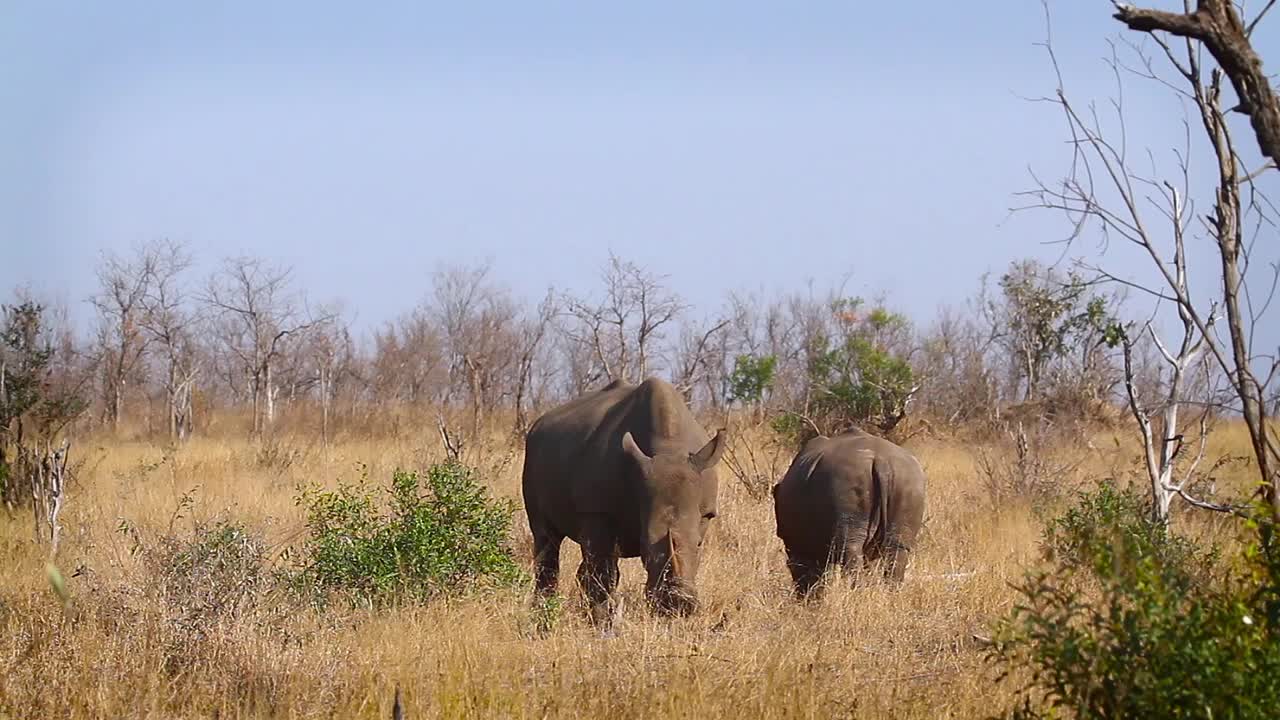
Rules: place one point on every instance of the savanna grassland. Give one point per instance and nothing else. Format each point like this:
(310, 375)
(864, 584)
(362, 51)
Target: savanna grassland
(127, 645)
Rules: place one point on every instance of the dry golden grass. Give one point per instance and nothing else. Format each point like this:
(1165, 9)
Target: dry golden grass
(753, 652)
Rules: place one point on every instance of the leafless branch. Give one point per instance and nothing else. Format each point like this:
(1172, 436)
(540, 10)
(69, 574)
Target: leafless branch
(1217, 24)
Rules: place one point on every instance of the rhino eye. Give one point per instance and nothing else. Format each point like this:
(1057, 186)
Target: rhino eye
(709, 515)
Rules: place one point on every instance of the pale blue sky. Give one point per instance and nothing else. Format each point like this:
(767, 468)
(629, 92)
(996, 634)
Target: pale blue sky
(727, 144)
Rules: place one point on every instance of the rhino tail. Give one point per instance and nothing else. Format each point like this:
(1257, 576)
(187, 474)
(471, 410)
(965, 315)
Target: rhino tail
(881, 495)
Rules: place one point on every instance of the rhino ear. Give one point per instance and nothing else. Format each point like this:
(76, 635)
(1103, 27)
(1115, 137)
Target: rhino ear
(632, 449)
(710, 453)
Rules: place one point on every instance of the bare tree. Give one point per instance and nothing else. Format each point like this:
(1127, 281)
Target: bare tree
(120, 302)
(622, 328)
(960, 382)
(46, 467)
(1219, 27)
(257, 314)
(409, 359)
(1102, 168)
(788, 329)
(168, 319)
(480, 325)
(533, 332)
(701, 358)
(331, 351)
(580, 372)
(1163, 431)
(1164, 441)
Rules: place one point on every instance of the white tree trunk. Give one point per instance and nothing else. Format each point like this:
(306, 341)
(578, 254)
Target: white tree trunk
(271, 397)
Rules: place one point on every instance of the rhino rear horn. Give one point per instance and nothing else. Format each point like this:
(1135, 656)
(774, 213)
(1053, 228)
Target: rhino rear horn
(710, 453)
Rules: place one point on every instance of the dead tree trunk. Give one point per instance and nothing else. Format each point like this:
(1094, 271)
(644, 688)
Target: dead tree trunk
(1227, 229)
(1161, 454)
(46, 468)
(183, 420)
(325, 377)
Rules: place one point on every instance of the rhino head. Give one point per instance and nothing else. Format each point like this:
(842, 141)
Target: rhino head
(674, 518)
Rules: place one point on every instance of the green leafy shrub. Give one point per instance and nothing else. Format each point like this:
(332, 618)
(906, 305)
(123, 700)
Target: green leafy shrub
(751, 378)
(451, 538)
(547, 613)
(856, 374)
(791, 427)
(35, 403)
(32, 400)
(1128, 620)
(862, 382)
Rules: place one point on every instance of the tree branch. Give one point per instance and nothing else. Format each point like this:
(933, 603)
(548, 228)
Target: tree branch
(1217, 25)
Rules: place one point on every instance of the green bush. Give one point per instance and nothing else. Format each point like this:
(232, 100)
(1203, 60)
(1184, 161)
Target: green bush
(857, 374)
(751, 378)
(449, 539)
(861, 382)
(1128, 620)
(34, 404)
(792, 428)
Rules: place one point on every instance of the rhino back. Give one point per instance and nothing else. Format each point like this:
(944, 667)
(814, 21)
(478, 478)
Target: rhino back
(833, 481)
(661, 421)
(559, 437)
(827, 483)
(574, 459)
(867, 456)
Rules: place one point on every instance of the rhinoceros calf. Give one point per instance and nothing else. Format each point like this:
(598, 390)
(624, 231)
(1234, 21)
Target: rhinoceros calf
(625, 471)
(849, 500)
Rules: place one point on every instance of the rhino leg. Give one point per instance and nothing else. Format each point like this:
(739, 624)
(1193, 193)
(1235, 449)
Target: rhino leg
(847, 548)
(598, 573)
(546, 552)
(598, 576)
(806, 570)
(894, 557)
(889, 556)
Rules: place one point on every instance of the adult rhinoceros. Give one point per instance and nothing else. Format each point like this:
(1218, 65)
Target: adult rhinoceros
(849, 499)
(625, 471)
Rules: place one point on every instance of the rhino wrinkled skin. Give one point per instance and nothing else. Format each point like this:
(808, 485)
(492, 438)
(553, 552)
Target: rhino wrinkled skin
(851, 500)
(625, 471)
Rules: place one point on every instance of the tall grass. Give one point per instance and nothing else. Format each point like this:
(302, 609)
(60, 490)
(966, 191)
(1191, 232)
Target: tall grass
(120, 648)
